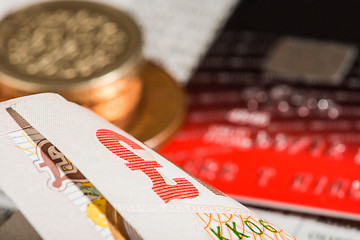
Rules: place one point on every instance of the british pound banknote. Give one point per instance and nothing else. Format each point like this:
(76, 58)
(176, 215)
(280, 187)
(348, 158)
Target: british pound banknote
(66, 168)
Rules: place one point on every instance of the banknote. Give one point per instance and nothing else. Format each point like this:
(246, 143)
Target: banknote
(73, 175)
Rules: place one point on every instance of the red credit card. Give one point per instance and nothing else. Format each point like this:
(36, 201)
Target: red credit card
(271, 141)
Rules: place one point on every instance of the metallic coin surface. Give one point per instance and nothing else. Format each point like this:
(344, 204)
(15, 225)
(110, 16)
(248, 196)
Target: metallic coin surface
(75, 48)
(161, 109)
(121, 107)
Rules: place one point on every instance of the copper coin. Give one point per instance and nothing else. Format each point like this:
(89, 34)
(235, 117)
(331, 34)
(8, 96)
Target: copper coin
(122, 107)
(161, 109)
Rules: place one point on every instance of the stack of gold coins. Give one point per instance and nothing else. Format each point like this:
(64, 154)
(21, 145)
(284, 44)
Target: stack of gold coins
(161, 109)
(88, 52)
(91, 54)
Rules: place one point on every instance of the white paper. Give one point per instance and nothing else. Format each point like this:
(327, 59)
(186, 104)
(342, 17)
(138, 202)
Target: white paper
(156, 198)
(306, 227)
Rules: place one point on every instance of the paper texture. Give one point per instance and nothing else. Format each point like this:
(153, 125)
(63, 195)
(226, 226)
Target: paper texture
(65, 148)
(313, 227)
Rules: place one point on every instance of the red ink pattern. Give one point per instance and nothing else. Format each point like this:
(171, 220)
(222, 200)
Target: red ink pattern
(181, 190)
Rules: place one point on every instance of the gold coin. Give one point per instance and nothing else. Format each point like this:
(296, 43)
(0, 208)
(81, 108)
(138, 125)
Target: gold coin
(85, 51)
(161, 109)
(121, 108)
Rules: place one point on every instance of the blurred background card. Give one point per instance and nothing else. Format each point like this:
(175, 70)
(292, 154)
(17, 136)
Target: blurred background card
(273, 112)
